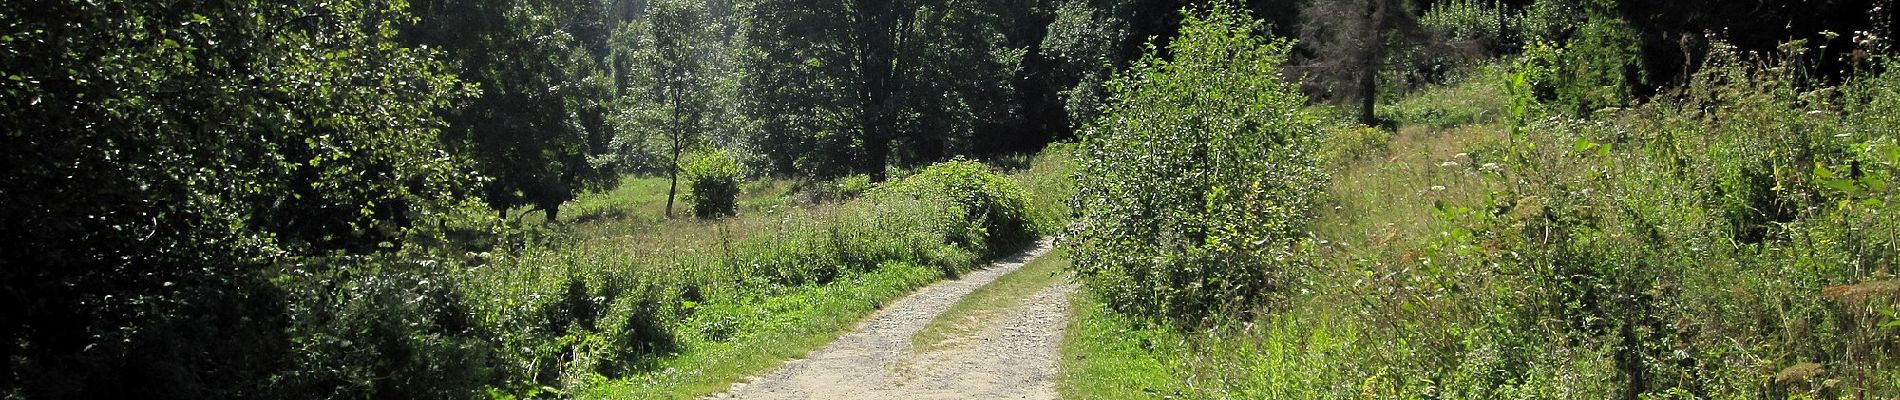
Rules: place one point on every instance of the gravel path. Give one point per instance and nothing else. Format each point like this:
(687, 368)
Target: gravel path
(1014, 359)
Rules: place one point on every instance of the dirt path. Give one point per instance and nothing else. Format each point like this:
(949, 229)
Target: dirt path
(1014, 359)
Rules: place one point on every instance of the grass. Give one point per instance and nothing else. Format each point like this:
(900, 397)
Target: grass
(1679, 249)
(1107, 357)
(1050, 180)
(620, 302)
(801, 320)
(989, 303)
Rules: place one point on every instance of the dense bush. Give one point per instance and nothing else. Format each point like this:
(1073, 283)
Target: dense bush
(164, 160)
(1200, 177)
(1598, 66)
(998, 206)
(712, 183)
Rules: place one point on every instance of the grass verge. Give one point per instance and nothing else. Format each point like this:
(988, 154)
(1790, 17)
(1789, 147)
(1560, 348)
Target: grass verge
(800, 320)
(1105, 356)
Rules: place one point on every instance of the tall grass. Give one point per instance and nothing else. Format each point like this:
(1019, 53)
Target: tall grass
(1733, 240)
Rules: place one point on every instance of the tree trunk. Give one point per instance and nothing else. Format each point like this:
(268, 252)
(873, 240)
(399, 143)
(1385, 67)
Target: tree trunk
(679, 144)
(877, 149)
(1368, 96)
(1374, 54)
(673, 174)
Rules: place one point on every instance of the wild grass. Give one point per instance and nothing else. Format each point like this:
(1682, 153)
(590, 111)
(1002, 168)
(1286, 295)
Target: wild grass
(1713, 245)
(1107, 356)
(1478, 97)
(768, 332)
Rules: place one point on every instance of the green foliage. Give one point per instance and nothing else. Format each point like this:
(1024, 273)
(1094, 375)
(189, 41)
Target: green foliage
(616, 310)
(852, 186)
(996, 205)
(1201, 178)
(712, 183)
(540, 119)
(917, 87)
(1549, 21)
(1345, 145)
(163, 157)
(1487, 23)
(1478, 98)
(1597, 68)
(1050, 181)
(1085, 42)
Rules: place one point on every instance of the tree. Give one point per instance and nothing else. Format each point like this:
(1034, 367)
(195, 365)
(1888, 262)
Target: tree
(1349, 42)
(540, 120)
(164, 157)
(838, 83)
(1085, 43)
(673, 80)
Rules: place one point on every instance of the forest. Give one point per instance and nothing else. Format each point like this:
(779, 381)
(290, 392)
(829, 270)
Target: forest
(524, 199)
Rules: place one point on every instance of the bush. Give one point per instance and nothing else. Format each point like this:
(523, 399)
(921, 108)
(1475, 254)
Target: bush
(1486, 23)
(1598, 67)
(998, 205)
(1202, 175)
(712, 183)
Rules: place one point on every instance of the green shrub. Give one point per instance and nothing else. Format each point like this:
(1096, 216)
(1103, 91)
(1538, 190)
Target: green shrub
(712, 183)
(369, 328)
(841, 189)
(1201, 177)
(852, 186)
(1701, 240)
(1486, 23)
(1547, 21)
(1597, 67)
(998, 206)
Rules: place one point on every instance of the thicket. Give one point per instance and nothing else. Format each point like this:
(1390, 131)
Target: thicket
(1200, 177)
(168, 164)
(1733, 240)
(712, 183)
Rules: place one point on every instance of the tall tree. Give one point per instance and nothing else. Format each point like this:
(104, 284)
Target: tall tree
(839, 83)
(540, 119)
(1350, 41)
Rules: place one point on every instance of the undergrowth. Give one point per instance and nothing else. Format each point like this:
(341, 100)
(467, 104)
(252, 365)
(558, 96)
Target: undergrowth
(1731, 239)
